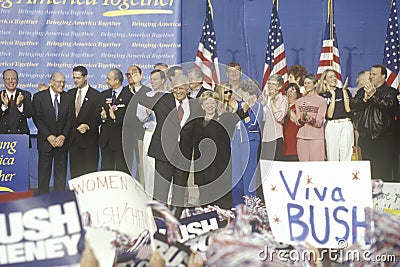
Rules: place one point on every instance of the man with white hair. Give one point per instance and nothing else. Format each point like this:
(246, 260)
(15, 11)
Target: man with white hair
(196, 78)
(171, 145)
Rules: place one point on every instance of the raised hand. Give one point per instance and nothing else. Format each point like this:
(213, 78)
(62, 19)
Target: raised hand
(20, 98)
(103, 113)
(4, 98)
(111, 111)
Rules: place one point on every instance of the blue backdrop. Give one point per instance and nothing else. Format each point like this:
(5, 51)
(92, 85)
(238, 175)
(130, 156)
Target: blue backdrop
(241, 29)
(242, 26)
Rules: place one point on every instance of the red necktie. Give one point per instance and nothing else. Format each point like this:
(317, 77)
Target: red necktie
(180, 112)
(12, 101)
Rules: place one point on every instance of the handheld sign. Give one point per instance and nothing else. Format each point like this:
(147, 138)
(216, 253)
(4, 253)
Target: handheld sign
(113, 199)
(193, 226)
(390, 197)
(321, 203)
(41, 231)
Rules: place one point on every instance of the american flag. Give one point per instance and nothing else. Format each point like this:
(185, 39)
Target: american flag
(391, 52)
(275, 59)
(329, 58)
(206, 58)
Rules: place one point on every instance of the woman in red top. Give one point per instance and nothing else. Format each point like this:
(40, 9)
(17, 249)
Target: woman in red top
(290, 128)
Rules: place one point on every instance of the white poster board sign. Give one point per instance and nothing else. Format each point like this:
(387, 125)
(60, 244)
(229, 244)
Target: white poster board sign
(390, 197)
(321, 203)
(113, 199)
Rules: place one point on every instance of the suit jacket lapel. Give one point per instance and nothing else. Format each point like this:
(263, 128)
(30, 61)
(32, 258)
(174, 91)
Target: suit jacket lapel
(48, 99)
(85, 98)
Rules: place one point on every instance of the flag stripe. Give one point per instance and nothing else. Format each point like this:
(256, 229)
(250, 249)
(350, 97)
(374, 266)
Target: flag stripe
(329, 58)
(206, 57)
(392, 49)
(275, 58)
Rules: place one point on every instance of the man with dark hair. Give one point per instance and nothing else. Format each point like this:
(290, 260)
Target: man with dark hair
(376, 104)
(52, 114)
(84, 140)
(16, 105)
(148, 118)
(234, 75)
(174, 71)
(160, 66)
(113, 105)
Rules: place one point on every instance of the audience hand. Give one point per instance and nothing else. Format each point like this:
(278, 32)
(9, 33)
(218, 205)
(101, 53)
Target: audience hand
(157, 260)
(195, 260)
(88, 258)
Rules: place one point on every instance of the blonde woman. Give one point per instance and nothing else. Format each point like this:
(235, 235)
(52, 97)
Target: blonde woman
(339, 132)
(225, 93)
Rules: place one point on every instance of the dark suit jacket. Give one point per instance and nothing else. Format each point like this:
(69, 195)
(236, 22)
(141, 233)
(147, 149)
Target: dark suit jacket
(14, 122)
(89, 114)
(164, 144)
(132, 121)
(202, 90)
(45, 119)
(111, 130)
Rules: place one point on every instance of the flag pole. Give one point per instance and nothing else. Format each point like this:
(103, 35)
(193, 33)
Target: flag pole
(211, 9)
(330, 17)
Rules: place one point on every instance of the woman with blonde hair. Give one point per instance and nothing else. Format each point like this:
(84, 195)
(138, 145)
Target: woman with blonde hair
(225, 93)
(339, 132)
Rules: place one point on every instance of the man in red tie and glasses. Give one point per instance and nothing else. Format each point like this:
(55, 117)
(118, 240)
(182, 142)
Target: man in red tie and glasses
(16, 105)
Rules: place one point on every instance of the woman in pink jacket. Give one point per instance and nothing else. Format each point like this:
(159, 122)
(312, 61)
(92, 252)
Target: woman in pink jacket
(310, 115)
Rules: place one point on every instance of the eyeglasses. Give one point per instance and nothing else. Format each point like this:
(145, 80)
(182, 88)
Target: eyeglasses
(59, 81)
(128, 74)
(228, 92)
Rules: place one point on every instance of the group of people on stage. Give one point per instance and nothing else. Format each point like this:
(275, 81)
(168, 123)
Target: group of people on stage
(177, 124)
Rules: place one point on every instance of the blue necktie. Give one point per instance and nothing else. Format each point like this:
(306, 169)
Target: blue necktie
(114, 97)
(56, 106)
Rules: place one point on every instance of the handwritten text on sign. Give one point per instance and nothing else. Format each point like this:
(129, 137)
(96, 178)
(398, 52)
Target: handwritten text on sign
(112, 199)
(316, 201)
(390, 197)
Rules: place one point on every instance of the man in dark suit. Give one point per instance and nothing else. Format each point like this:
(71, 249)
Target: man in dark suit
(134, 76)
(16, 105)
(113, 105)
(52, 114)
(196, 79)
(84, 140)
(172, 144)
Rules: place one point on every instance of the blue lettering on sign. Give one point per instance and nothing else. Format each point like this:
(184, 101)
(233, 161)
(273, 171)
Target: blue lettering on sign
(331, 215)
